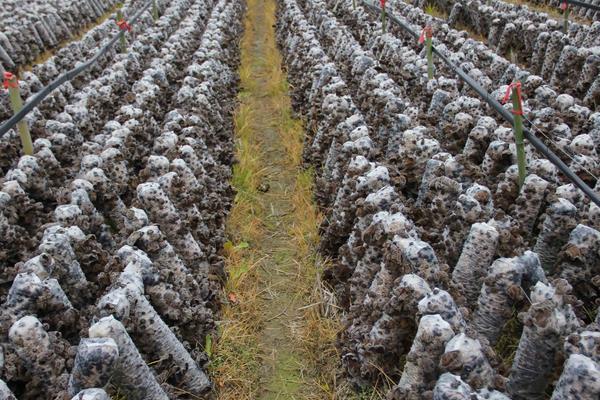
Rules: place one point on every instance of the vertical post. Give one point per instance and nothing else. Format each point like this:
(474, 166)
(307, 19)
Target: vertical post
(518, 129)
(427, 39)
(354, 4)
(16, 102)
(120, 23)
(429, 43)
(566, 11)
(383, 17)
(154, 10)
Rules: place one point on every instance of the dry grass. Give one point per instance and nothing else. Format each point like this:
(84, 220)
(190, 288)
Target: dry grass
(434, 11)
(320, 315)
(236, 353)
(290, 130)
(236, 361)
(318, 333)
(508, 342)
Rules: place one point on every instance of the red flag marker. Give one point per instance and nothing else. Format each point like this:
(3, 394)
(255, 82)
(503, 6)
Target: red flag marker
(426, 33)
(517, 87)
(123, 25)
(9, 82)
(563, 5)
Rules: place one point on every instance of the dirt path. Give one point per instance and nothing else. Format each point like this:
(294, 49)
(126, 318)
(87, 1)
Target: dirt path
(281, 370)
(276, 337)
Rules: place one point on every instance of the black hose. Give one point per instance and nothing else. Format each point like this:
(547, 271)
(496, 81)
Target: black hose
(584, 5)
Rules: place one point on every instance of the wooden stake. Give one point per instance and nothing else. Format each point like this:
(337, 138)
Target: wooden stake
(16, 103)
(428, 43)
(123, 40)
(383, 19)
(154, 10)
(426, 39)
(519, 137)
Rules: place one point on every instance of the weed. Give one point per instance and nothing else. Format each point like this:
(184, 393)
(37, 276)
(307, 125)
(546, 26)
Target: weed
(434, 11)
(508, 342)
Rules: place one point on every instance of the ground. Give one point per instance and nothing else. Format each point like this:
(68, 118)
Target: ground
(277, 335)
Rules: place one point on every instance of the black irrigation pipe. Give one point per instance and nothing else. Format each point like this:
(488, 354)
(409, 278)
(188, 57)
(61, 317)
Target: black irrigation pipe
(67, 76)
(584, 5)
(537, 143)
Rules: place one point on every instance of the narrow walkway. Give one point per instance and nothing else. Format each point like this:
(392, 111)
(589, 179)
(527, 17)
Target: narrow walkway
(274, 341)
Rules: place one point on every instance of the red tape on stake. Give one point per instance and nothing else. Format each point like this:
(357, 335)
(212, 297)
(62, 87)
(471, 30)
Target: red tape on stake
(124, 26)
(8, 81)
(517, 86)
(426, 32)
(563, 5)
(382, 2)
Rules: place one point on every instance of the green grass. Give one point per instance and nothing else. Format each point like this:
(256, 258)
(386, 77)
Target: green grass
(508, 342)
(434, 11)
